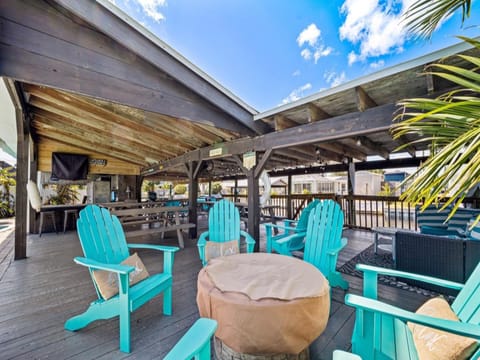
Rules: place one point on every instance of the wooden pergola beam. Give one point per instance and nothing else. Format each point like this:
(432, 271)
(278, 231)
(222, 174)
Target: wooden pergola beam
(354, 124)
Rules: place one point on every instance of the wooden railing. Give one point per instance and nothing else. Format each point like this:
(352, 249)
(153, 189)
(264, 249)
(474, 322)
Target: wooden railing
(361, 211)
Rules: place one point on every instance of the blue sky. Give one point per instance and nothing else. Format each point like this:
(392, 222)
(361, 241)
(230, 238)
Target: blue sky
(271, 52)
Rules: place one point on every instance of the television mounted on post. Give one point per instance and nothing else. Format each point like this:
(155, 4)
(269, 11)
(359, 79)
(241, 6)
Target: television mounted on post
(69, 166)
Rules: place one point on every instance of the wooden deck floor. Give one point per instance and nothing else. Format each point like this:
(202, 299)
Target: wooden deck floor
(39, 293)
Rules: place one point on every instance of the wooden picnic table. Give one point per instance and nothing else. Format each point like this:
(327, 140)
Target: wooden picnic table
(168, 217)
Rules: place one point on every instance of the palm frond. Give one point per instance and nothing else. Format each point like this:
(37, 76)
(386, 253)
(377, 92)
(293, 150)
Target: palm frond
(451, 125)
(424, 16)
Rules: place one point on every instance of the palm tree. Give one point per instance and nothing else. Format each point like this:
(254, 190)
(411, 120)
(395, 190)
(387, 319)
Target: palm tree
(450, 124)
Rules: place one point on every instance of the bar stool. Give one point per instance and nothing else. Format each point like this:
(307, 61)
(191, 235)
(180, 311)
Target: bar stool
(65, 217)
(36, 203)
(51, 215)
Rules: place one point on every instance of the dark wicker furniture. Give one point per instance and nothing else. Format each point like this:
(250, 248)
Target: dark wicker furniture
(439, 256)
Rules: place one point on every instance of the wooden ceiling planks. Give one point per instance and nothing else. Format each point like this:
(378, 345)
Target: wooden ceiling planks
(121, 132)
(113, 165)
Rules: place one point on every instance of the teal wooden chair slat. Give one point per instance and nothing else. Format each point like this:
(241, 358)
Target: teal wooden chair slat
(284, 243)
(195, 343)
(380, 330)
(223, 226)
(343, 355)
(323, 240)
(104, 246)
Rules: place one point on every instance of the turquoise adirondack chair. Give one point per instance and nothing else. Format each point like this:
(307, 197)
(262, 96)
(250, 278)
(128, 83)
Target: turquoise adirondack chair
(380, 330)
(343, 355)
(284, 243)
(323, 240)
(195, 343)
(223, 226)
(104, 246)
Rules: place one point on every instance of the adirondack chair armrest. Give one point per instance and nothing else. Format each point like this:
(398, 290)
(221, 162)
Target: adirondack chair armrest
(248, 240)
(96, 265)
(202, 239)
(283, 227)
(375, 306)
(335, 251)
(271, 238)
(194, 341)
(168, 252)
(201, 243)
(371, 273)
(289, 222)
(291, 237)
(171, 249)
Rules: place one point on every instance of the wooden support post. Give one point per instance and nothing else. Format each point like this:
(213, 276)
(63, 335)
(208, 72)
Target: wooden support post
(351, 192)
(235, 191)
(138, 188)
(21, 197)
(192, 170)
(289, 197)
(253, 223)
(31, 213)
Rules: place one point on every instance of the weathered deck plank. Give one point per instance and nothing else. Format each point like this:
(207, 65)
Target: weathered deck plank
(39, 293)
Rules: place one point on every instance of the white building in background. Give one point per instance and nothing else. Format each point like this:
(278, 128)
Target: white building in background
(319, 183)
(366, 183)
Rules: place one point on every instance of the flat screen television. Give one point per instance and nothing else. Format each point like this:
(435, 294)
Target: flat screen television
(69, 166)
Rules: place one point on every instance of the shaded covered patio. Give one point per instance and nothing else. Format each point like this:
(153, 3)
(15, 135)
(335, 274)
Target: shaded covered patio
(86, 79)
(39, 293)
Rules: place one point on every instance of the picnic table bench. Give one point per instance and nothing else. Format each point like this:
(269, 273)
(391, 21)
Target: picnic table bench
(169, 218)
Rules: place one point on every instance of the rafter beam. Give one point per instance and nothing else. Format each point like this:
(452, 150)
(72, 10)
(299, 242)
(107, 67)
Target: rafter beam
(410, 149)
(364, 101)
(342, 150)
(282, 122)
(294, 154)
(374, 147)
(316, 113)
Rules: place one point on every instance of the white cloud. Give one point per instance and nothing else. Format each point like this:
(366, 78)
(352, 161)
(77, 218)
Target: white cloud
(296, 73)
(377, 64)
(375, 26)
(314, 47)
(352, 57)
(322, 51)
(309, 35)
(296, 94)
(151, 8)
(334, 79)
(306, 54)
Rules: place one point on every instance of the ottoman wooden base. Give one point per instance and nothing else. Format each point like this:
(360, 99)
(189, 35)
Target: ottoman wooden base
(223, 352)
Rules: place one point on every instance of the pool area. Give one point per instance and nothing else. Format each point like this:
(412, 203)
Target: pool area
(5, 226)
